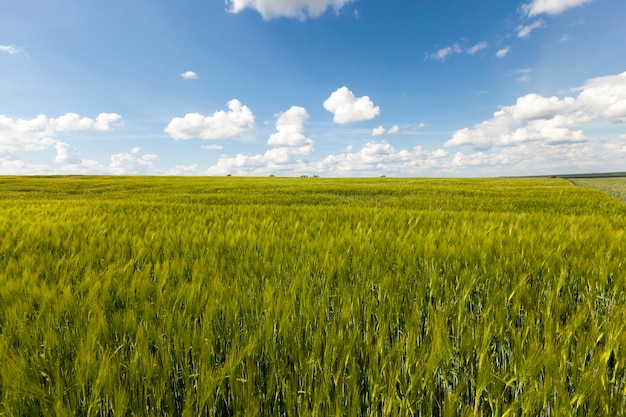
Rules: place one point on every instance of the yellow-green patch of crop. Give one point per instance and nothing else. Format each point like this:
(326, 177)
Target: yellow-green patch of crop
(613, 186)
(492, 195)
(250, 297)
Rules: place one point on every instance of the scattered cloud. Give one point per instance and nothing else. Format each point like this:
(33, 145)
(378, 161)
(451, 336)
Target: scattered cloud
(380, 157)
(39, 133)
(393, 130)
(192, 169)
(605, 97)
(131, 164)
(549, 120)
(443, 53)
(347, 108)
(290, 129)
(126, 163)
(523, 31)
(379, 131)
(300, 9)
(9, 49)
(212, 147)
(221, 125)
(501, 53)
(287, 143)
(477, 47)
(553, 7)
(72, 121)
(421, 125)
(521, 75)
(189, 75)
(66, 154)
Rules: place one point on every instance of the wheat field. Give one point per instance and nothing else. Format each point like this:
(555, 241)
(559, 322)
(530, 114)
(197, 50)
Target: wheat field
(146, 296)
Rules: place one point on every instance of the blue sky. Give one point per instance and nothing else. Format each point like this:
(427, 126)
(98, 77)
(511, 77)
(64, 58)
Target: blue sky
(313, 87)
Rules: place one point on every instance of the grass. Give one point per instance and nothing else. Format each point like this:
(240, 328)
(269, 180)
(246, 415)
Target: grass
(270, 296)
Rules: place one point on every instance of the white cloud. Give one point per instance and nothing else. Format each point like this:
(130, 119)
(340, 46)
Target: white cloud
(443, 53)
(501, 53)
(421, 125)
(286, 8)
(126, 163)
(478, 47)
(189, 75)
(192, 169)
(348, 109)
(553, 7)
(67, 154)
(9, 49)
(38, 133)
(212, 147)
(524, 31)
(130, 164)
(379, 131)
(221, 125)
(393, 130)
(290, 129)
(14, 166)
(521, 75)
(549, 120)
(605, 97)
(376, 158)
(287, 143)
(72, 121)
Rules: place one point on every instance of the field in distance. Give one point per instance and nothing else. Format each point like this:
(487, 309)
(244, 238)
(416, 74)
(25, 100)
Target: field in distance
(614, 186)
(132, 296)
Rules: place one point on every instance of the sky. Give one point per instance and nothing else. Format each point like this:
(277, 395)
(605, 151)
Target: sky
(335, 88)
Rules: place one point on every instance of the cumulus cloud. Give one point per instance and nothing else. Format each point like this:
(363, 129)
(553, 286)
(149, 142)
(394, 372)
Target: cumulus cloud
(189, 75)
(377, 157)
(523, 31)
(393, 130)
(9, 49)
(605, 97)
(379, 131)
(287, 143)
(67, 154)
(348, 109)
(477, 47)
(286, 8)
(290, 129)
(553, 7)
(221, 125)
(38, 133)
(501, 53)
(129, 163)
(125, 163)
(549, 120)
(72, 121)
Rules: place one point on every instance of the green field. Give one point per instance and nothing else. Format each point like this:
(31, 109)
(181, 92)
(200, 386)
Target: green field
(613, 186)
(311, 297)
